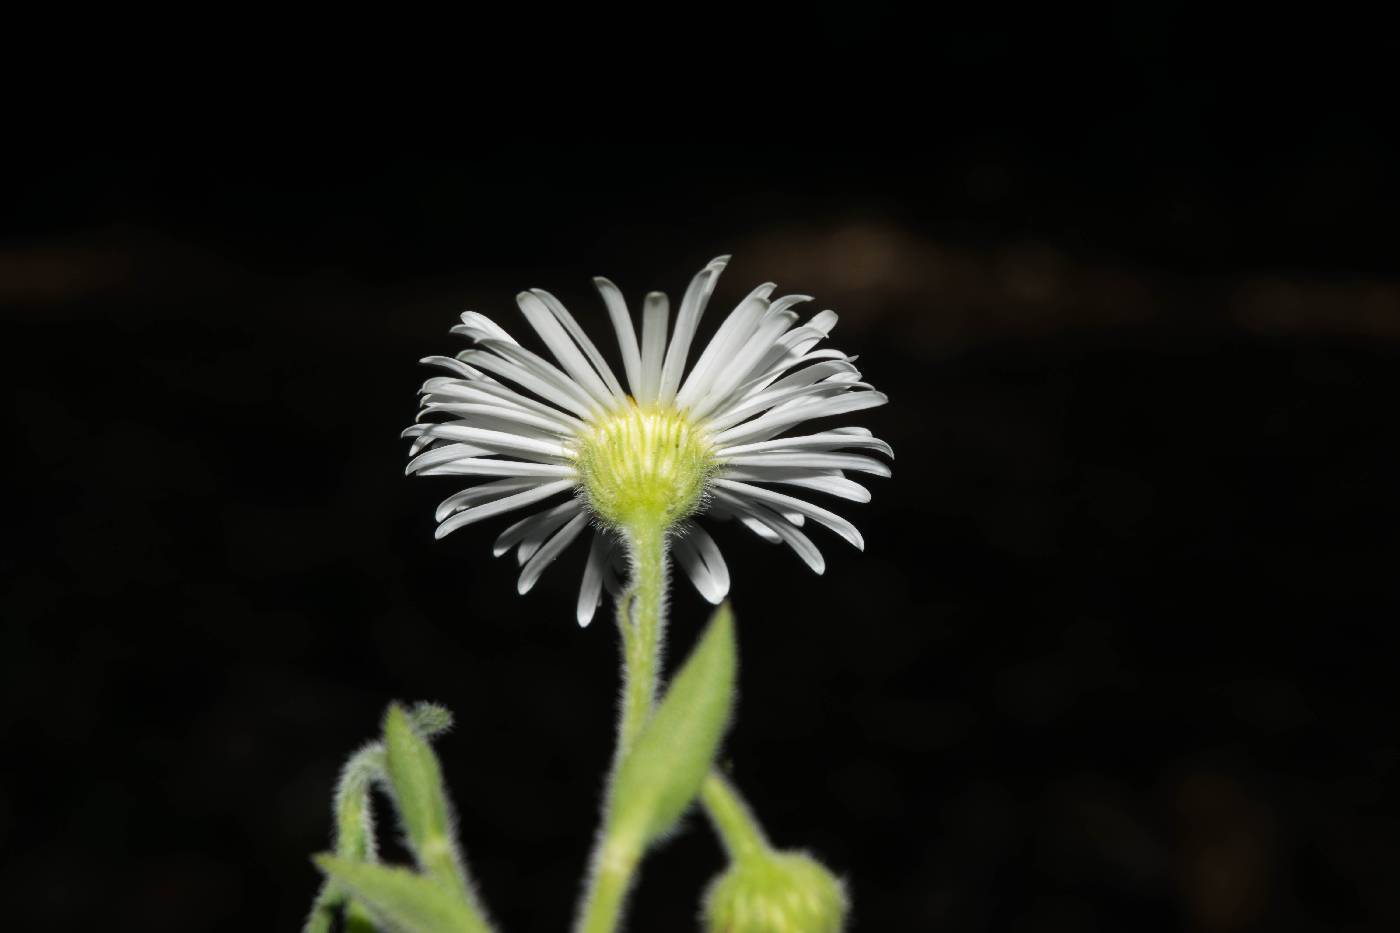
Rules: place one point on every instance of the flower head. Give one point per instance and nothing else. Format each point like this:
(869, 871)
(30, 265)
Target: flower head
(775, 892)
(677, 442)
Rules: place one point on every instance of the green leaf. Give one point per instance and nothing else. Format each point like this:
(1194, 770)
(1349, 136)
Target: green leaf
(415, 779)
(354, 822)
(402, 900)
(676, 748)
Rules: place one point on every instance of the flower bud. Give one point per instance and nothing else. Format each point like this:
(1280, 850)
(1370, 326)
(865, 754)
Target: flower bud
(775, 892)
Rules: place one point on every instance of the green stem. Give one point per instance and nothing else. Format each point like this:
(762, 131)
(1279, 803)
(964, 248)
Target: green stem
(641, 620)
(742, 836)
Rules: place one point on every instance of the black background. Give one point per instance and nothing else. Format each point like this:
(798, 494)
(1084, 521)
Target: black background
(1119, 654)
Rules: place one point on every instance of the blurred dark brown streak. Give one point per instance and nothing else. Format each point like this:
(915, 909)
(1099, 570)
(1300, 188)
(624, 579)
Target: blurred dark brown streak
(1119, 654)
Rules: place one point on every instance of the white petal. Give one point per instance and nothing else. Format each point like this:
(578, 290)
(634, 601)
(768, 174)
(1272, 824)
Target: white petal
(762, 530)
(756, 514)
(810, 375)
(547, 325)
(493, 417)
(779, 420)
(693, 303)
(531, 379)
(585, 344)
(735, 371)
(440, 455)
(712, 556)
(740, 410)
(779, 500)
(812, 460)
(472, 466)
(501, 442)
(833, 439)
(507, 397)
(545, 555)
(492, 490)
(590, 593)
(540, 369)
(501, 506)
(542, 523)
(626, 334)
(773, 365)
(834, 485)
(732, 332)
(457, 366)
(694, 566)
(655, 311)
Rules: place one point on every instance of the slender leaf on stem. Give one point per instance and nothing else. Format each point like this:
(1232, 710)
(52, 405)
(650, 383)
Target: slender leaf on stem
(354, 820)
(674, 751)
(415, 780)
(402, 900)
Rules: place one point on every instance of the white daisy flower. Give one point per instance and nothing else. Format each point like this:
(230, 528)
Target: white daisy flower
(675, 443)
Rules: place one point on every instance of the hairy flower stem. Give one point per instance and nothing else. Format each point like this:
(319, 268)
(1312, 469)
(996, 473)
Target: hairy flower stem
(743, 838)
(641, 621)
(641, 617)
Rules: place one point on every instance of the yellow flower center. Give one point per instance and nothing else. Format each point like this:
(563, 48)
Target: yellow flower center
(645, 466)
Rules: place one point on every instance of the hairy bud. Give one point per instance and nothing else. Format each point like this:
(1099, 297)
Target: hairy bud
(775, 892)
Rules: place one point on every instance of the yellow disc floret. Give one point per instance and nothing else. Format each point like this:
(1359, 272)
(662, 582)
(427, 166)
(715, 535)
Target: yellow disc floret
(644, 466)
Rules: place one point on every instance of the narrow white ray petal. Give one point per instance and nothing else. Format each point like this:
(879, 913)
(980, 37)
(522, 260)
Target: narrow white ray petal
(818, 460)
(786, 302)
(585, 344)
(445, 453)
(833, 439)
(739, 410)
(457, 366)
(468, 390)
(697, 296)
(776, 421)
(830, 484)
(768, 371)
(590, 592)
(654, 313)
(732, 332)
(762, 530)
(492, 490)
(545, 555)
(823, 321)
(695, 568)
(626, 334)
(780, 500)
(755, 513)
(474, 323)
(736, 371)
(515, 445)
(710, 552)
(484, 467)
(500, 506)
(504, 395)
(541, 369)
(477, 319)
(533, 305)
(547, 520)
(614, 573)
(494, 417)
(531, 381)
(808, 375)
